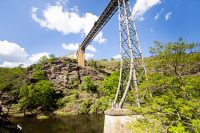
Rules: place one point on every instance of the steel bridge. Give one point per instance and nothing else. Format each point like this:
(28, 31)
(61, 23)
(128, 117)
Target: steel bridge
(132, 68)
(98, 25)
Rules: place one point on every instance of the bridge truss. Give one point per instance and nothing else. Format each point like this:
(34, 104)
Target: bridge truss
(132, 68)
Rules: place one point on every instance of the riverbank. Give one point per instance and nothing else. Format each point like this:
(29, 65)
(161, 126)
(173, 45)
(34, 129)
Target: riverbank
(41, 115)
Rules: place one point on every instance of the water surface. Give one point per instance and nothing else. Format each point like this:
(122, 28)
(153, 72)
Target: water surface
(65, 124)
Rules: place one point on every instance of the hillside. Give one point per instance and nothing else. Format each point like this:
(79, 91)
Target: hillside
(169, 95)
(73, 89)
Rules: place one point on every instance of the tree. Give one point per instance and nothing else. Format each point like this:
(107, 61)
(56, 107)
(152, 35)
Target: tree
(43, 93)
(175, 84)
(36, 95)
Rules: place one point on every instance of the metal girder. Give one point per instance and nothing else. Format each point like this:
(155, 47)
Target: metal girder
(131, 67)
(100, 23)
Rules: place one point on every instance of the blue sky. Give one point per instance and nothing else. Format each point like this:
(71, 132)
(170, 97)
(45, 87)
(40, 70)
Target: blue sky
(31, 29)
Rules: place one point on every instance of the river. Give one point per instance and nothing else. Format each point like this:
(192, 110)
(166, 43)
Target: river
(64, 124)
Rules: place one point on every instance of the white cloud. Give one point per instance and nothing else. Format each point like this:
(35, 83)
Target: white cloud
(117, 57)
(36, 57)
(12, 55)
(99, 38)
(55, 17)
(62, 2)
(10, 64)
(91, 48)
(168, 15)
(34, 9)
(12, 52)
(74, 56)
(88, 56)
(142, 6)
(74, 47)
(88, 21)
(71, 46)
(158, 14)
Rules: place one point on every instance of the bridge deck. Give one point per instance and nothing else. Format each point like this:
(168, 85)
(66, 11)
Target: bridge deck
(100, 23)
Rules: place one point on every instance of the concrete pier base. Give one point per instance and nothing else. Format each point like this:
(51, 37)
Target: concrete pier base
(117, 120)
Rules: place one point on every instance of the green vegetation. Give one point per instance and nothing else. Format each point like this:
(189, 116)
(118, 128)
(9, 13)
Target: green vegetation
(38, 73)
(18, 92)
(48, 59)
(109, 85)
(100, 105)
(37, 95)
(174, 81)
(84, 106)
(104, 65)
(11, 79)
(92, 96)
(88, 85)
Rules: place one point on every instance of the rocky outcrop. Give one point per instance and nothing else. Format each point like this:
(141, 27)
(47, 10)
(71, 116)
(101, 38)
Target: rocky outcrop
(65, 74)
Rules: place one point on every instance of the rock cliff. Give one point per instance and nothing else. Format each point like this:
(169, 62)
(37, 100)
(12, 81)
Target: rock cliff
(65, 74)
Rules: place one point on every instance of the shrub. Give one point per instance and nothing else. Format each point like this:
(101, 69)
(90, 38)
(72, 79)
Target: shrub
(60, 103)
(100, 105)
(51, 58)
(88, 85)
(43, 59)
(84, 107)
(109, 85)
(38, 74)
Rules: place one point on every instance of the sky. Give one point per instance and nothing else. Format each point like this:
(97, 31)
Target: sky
(30, 29)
